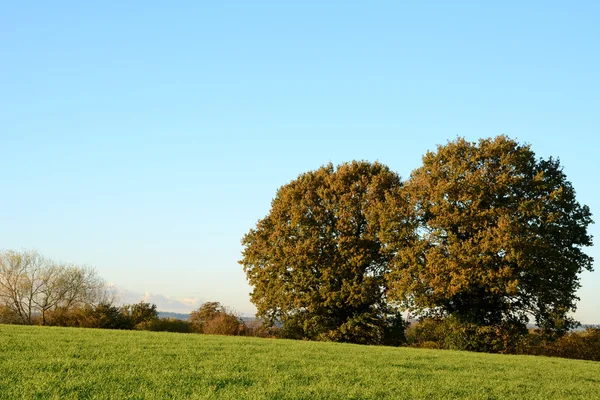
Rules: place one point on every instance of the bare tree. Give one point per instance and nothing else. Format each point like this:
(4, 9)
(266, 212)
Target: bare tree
(16, 276)
(31, 286)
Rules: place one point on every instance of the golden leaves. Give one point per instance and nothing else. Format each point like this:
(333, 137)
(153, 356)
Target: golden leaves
(490, 215)
(481, 228)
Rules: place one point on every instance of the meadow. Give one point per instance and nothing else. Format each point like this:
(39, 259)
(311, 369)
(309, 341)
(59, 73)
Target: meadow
(73, 363)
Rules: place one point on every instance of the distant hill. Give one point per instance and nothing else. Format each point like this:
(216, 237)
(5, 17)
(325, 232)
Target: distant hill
(185, 317)
(167, 314)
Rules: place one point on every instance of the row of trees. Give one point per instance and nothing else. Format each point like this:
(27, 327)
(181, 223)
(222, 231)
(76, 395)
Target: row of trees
(482, 232)
(483, 235)
(32, 287)
(211, 318)
(105, 316)
(37, 290)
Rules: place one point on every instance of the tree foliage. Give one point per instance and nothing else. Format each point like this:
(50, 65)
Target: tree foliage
(107, 316)
(141, 312)
(317, 261)
(215, 319)
(165, 325)
(500, 237)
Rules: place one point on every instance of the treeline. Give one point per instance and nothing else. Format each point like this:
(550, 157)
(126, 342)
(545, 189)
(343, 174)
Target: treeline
(35, 290)
(38, 291)
(452, 334)
(481, 240)
(211, 318)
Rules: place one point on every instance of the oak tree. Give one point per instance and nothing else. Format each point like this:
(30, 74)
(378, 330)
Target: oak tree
(500, 237)
(317, 261)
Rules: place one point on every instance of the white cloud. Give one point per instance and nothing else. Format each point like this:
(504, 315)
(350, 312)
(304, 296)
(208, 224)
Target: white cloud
(163, 303)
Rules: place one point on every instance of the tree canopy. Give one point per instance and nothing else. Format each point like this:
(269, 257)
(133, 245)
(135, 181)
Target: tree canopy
(318, 260)
(500, 237)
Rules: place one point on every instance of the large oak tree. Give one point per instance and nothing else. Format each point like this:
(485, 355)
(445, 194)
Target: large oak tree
(500, 237)
(318, 260)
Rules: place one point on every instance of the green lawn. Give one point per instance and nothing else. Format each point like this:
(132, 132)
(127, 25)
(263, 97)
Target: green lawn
(69, 363)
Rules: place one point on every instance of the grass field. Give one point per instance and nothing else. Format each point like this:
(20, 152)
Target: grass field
(46, 363)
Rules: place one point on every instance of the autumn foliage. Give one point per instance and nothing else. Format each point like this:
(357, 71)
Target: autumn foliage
(500, 237)
(483, 239)
(484, 236)
(216, 319)
(318, 260)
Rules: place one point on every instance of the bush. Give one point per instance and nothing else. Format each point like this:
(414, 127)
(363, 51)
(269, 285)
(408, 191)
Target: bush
(513, 339)
(62, 317)
(216, 319)
(107, 316)
(138, 313)
(452, 334)
(582, 345)
(104, 315)
(224, 324)
(8, 316)
(259, 328)
(427, 330)
(80, 317)
(366, 329)
(165, 325)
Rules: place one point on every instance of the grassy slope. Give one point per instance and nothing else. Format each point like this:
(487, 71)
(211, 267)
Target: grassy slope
(40, 362)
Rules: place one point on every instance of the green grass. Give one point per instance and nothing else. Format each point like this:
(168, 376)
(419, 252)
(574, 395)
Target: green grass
(71, 363)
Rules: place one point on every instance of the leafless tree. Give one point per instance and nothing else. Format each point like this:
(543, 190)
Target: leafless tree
(31, 286)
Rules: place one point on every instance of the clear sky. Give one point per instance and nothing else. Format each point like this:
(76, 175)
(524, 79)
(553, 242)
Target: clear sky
(145, 138)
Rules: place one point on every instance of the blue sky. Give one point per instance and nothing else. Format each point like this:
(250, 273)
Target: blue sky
(145, 139)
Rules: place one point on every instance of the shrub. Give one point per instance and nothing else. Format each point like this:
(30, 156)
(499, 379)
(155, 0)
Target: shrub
(427, 330)
(80, 317)
(259, 328)
(224, 324)
(139, 313)
(216, 319)
(165, 325)
(62, 317)
(107, 316)
(8, 316)
(366, 329)
(582, 345)
(452, 334)
(103, 315)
